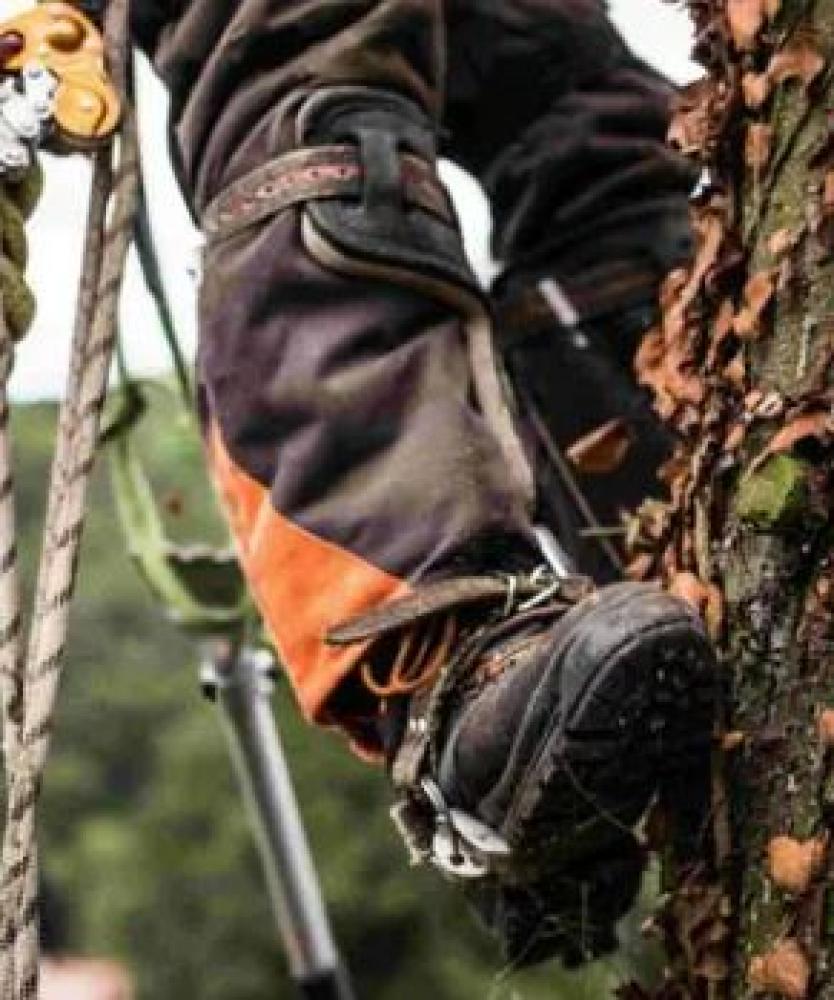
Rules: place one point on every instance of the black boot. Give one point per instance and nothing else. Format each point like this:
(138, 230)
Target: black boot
(571, 914)
(541, 723)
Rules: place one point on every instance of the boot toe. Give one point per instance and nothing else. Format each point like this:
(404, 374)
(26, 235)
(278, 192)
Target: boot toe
(564, 753)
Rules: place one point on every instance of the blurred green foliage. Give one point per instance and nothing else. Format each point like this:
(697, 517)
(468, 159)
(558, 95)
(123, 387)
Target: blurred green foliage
(142, 829)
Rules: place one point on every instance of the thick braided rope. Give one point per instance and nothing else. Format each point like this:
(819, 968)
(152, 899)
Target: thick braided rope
(78, 432)
(20, 873)
(71, 473)
(11, 623)
(13, 706)
(11, 636)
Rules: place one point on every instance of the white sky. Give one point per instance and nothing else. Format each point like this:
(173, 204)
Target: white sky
(655, 29)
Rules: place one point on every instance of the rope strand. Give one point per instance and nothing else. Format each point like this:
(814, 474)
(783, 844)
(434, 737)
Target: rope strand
(94, 338)
(62, 539)
(11, 635)
(16, 768)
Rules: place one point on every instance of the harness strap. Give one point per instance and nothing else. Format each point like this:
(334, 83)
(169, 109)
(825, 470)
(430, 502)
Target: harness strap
(316, 173)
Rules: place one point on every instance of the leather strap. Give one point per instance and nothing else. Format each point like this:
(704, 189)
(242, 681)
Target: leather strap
(425, 718)
(315, 173)
(446, 595)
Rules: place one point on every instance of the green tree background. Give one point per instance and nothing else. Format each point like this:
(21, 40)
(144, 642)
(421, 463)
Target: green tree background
(142, 830)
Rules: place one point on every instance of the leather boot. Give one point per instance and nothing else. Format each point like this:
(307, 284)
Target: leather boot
(535, 721)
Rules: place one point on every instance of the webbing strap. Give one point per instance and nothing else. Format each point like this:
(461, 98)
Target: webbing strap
(314, 173)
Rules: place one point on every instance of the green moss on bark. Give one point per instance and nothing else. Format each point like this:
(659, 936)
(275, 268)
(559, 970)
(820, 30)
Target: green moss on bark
(776, 496)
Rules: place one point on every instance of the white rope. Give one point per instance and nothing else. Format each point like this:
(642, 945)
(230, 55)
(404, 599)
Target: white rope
(78, 430)
(16, 765)
(11, 647)
(11, 636)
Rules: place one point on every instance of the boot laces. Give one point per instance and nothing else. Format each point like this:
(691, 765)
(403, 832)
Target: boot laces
(419, 660)
(424, 648)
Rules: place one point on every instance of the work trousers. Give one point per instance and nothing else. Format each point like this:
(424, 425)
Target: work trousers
(351, 453)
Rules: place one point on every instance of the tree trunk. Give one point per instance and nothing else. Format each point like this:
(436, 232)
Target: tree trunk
(742, 367)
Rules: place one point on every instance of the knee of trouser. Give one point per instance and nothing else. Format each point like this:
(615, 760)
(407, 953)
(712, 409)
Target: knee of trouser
(401, 217)
(363, 176)
(363, 173)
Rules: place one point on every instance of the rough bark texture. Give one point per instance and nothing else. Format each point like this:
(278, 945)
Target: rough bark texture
(741, 365)
(775, 522)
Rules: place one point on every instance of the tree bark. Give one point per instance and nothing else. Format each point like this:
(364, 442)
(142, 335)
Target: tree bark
(741, 365)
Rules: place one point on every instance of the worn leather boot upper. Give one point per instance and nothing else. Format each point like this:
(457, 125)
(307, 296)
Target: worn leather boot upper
(531, 747)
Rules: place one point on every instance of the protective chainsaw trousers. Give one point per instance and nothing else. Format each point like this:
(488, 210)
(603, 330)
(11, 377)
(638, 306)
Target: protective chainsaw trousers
(347, 394)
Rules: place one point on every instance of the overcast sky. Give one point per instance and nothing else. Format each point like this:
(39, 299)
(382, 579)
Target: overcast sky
(655, 29)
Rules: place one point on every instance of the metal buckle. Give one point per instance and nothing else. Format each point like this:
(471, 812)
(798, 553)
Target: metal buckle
(462, 846)
(56, 38)
(27, 106)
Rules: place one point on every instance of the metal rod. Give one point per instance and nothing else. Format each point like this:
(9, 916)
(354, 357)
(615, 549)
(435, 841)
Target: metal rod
(241, 682)
(557, 460)
(555, 556)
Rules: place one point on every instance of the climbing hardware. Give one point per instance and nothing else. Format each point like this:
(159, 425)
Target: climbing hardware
(59, 56)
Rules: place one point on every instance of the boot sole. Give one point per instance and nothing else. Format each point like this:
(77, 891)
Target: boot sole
(644, 718)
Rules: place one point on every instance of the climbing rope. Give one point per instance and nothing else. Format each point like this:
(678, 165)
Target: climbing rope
(17, 201)
(14, 322)
(30, 685)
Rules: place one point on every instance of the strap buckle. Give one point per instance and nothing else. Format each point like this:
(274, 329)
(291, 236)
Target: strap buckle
(457, 843)
(27, 107)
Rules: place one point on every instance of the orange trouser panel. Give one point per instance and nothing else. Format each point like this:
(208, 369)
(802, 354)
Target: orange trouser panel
(303, 585)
